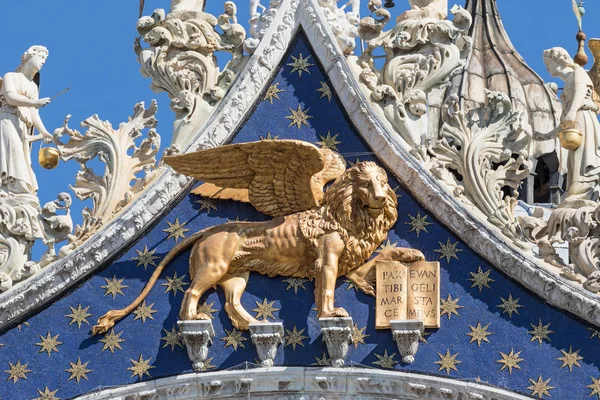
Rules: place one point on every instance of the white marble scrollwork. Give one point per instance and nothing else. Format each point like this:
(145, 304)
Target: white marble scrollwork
(487, 148)
(422, 52)
(197, 336)
(123, 158)
(180, 60)
(337, 335)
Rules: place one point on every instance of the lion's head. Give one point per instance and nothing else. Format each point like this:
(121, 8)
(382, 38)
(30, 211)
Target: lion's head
(364, 205)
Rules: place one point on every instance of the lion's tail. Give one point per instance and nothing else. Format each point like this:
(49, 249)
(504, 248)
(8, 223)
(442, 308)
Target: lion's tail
(108, 320)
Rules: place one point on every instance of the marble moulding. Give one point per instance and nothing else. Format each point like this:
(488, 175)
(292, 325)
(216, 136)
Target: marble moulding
(377, 132)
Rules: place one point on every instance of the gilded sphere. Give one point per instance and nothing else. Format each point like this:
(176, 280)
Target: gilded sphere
(48, 157)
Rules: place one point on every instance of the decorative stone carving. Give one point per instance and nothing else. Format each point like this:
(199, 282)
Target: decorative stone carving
(181, 60)
(325, 229)
(266, 337)
(22, 221)
(407, 334)
(198, 337)
(337, 335)
(487, 149)
(422, 52)
(343, 24)
(260, 23)
(117, 149)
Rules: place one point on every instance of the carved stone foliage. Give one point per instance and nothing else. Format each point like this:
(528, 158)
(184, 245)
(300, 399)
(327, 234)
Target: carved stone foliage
(198, 337)
(486, 150)
(180, 60)
(420, 54)
(406, 334)
(267, 337)
(343, 24)
(123, 160)
(580, 228)
(337, 335)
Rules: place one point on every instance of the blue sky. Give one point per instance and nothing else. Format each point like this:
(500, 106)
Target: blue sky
(91, 50)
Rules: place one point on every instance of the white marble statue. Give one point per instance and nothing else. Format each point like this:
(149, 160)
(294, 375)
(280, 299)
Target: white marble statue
(583, 163)
(19, 104)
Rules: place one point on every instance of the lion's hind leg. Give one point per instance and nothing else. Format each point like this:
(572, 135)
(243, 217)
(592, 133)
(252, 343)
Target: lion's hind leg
(233, 285)
(209, 262)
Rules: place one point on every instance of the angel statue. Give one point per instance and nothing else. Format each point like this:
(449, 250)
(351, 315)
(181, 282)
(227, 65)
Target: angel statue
(313, 234)
(583, 163)
(19, 104)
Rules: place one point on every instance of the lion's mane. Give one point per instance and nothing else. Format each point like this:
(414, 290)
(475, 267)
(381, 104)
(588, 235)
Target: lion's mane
(340, 212)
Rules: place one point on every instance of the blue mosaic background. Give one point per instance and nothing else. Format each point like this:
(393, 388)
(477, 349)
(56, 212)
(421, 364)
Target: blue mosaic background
(46, 373)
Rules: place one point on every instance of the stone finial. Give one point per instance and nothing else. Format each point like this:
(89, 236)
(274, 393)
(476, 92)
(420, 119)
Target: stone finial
(266, 337)
(406, 334)
(337, 335)
(197, 336)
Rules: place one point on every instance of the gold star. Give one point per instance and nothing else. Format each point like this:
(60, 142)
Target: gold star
(140, 367)
(595, 386)
(206, 204)
(298, 117)
(385, 361)
(144, 311)
(386, 246)
(20, 326)
(294, 338)
(479, 334)
(510, 306)
(510, 361)
(540, 387)
(234, 339)
(450, 306)
(295, 283)
(329, 142)
(145, 257)
(423, 338)
(47, 394)
(273, 93)
(78, 370)
(207, 365)
(300, 65)
(48, 344)
(448, 250)
(323, 361)
(112, 341)
(358, 335)
(448, 362)
(325, 91)
(264, 309)
(176, 230)
(79, 315)
(540, 332)
(353, 164)
(174, 284)
(268, 137)
(481, 279)
(595, 333)
(114, 287)
(207, 309)
(570, 358)
(418, 223)
(17, 371)
(351, 285)
(172, 339)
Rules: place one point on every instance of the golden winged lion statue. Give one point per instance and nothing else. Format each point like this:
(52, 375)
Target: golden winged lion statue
(314, 234)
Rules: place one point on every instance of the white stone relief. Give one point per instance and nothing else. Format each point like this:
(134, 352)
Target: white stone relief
(198, 337)
(260, 22)
(267, 337)
(422, 52)
(487, 150)
(337, 335)
(343, 24)
(406, 334)
(114, 189)
(180, 60)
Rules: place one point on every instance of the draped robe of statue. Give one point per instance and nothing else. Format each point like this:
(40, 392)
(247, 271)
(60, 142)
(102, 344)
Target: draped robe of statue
(583, 164)
(16, 124)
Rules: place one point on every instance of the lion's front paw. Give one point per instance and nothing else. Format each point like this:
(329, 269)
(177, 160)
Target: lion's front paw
(339, 312)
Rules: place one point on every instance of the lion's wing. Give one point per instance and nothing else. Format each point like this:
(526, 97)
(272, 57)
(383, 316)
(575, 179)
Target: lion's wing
(281, 176)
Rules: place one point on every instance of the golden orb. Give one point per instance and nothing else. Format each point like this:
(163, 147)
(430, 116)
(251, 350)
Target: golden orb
(48, 157)
(570, 135)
